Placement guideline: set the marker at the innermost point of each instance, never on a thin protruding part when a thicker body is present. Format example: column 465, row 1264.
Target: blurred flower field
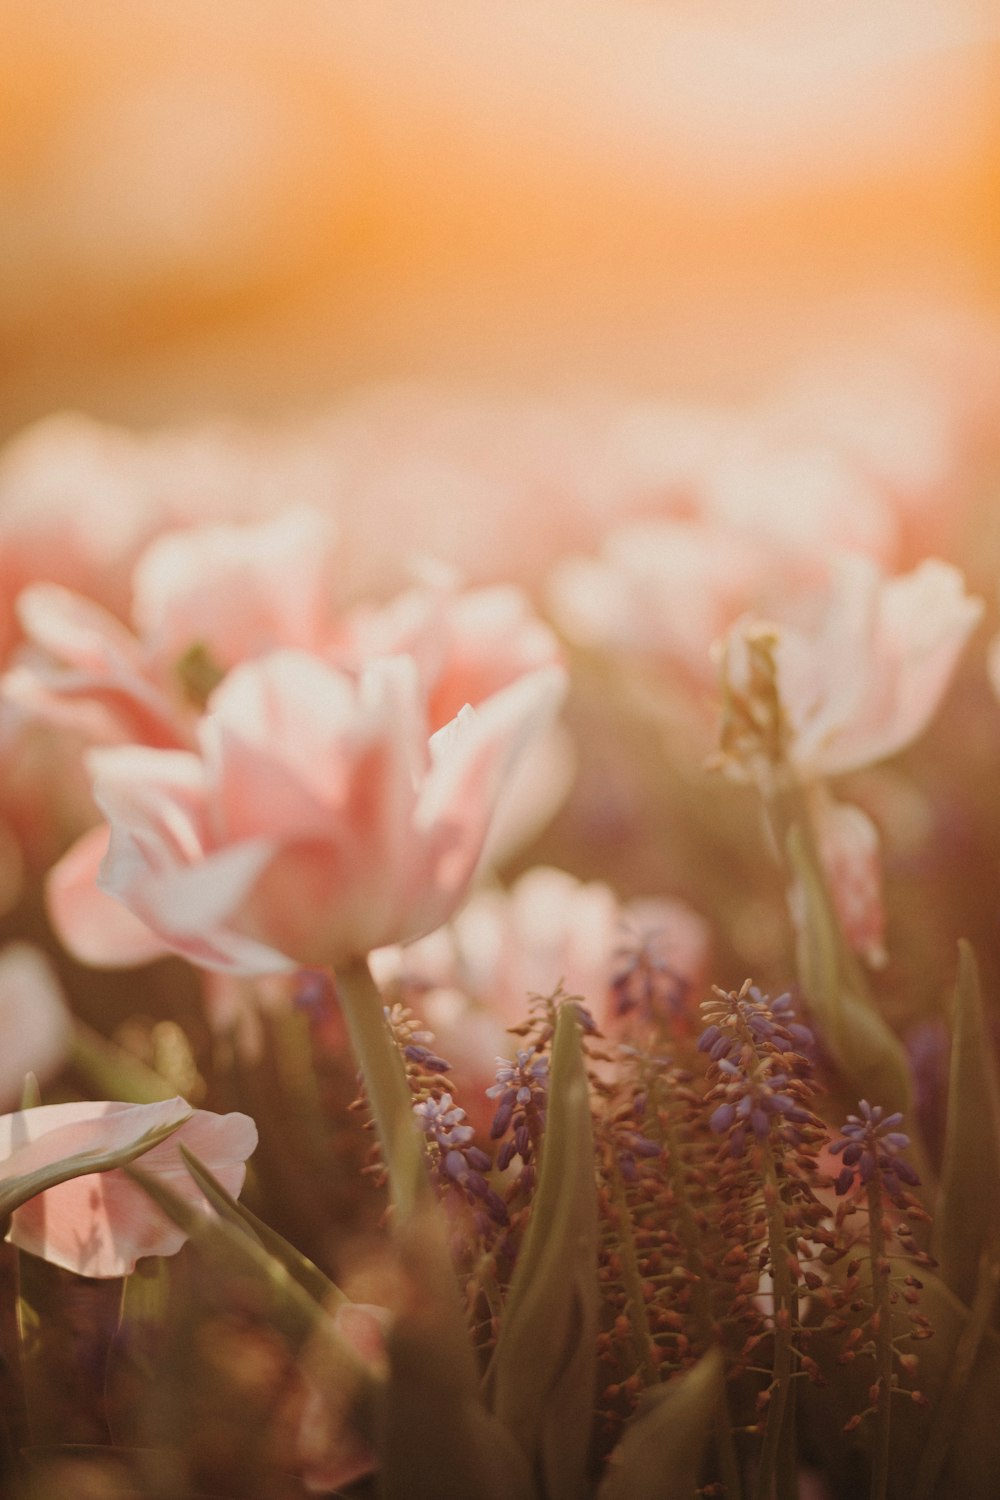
column 499, row 707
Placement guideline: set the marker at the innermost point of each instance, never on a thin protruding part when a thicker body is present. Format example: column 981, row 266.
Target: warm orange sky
column 228, row 208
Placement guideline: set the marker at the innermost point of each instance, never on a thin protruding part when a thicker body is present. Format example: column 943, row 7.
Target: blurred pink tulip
column 204, row 599
column 34, row 1021
column 99, row 1224
column 92, row 925
column 472, row 980
column 331, row 1455
column 319, row 820
column 869, row 678
column 850, row 854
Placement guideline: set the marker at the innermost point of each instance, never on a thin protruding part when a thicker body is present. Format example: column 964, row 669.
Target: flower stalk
column 882, row 1305
column 770, row 1472
column 386, row 1086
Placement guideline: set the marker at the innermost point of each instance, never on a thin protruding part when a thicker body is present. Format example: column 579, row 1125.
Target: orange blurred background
column 255, row 209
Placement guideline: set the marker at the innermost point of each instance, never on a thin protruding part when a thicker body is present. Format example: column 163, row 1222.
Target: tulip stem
column 778, row 1431
column 882, row 1303
column 386, row 1087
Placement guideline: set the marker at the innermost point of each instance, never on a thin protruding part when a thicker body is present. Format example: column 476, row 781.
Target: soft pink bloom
column 472, row 980
column 204, row 599
column 86, row 671
column 34, row 1021
column 92, row 925
column 753, row 530
column 869, row 678
column 466, row 646
column 666, row 589
column 799, row 494
column 79, row 499
column 101, row 1223
column 850, row 854
column 319, row 819
column 208, row 597
column 330, row 1452
column 236, row 591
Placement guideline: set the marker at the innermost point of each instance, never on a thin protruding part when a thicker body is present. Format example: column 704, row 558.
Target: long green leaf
column 865, row 1049
column 298, row 1266
column 661, row 1455
column 968, row 1213
column 435, row 1439
column 542, row 1378
column 230, row 1253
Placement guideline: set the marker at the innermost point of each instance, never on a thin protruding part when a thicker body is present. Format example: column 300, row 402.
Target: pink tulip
column 99, row 1224
column 319, row 819
column 331, row 1454
column 204, row 599
column 236, row 591
column 34, row 1021
column 867, row 681
column 471, row 981
column 92, row 925
column 850, row 854
column 466, row 645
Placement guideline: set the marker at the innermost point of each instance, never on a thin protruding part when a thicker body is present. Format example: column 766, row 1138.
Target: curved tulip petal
column 100, row 1223
column 319, row 822
column 93, row 926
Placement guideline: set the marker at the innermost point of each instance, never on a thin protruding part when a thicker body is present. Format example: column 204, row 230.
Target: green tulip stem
column 386, row 1086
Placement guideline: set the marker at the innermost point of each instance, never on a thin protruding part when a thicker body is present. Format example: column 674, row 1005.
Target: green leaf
column 386, row 1088
column 866, row 1051
column 434, row 1437
column 661, row 1454
column 232, row 1255
column 968, row 1212
column 298, row 1266
column 958, row 1372
column 949, row 1408
column 541, row 1381
column 17, row 1190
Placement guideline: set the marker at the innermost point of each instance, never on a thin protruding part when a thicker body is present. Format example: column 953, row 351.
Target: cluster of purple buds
column 412, row 1041
column 870, row 1144
column 521, row 1090
column 752, row 1103
column 459, row 1162
column 418, row 1052
column 644, row 982
column 752, row 1020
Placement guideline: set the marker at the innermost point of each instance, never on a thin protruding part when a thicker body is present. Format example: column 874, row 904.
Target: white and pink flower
column 100, row 1223
column 319, row 817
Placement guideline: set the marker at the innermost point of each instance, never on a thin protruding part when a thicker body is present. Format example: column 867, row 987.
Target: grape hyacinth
column 643, row 981
column 870, row 1143
column 753, row 1102
column 522, row 1091
column 457, row 1160
column 751, row 1019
